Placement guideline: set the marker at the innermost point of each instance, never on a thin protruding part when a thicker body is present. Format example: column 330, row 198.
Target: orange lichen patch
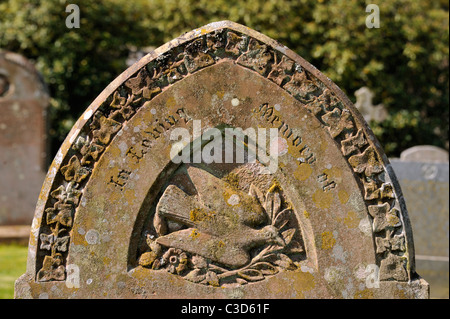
column 130, row 195
column 343, row 196
column 147, row 259
column 147, row 117
column 364, row 294
column 323, row 146
column 199, row 214
column 351, row 220
column 303, row 172
column 400, row 294
column 304, row 281
column 322, row 199
column 328, row 240
column 233, row 180
column 333, row 172
column 306, row 214
column 220, row 94
column 78, row 239
column 106, row 260
column 171, row 102
column 194, row 234
column 227, row 196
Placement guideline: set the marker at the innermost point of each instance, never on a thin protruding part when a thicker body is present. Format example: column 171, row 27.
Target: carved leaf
column 282, row 218
column 196, row 276
column 273, row 202
column 265, row 268
column 103, row 129
column 338, row 121
column 353, row 143
column 46, row 241
column 256, row 193
column 367, row 162
column 52, row 269
column 288, row 235
column 251, row 274
column 212, row 279
column 285, row 262
column 62, row 243
column 384, row 217
column 294, row 247
column 73, row 171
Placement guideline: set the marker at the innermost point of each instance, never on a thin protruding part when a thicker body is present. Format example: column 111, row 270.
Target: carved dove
column 218, row 228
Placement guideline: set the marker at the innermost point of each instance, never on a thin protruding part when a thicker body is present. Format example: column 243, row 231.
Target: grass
column 13, row 260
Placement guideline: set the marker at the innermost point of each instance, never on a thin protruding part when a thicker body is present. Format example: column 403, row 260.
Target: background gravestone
column 118, row 217
column 423, row 174
column 23, row 102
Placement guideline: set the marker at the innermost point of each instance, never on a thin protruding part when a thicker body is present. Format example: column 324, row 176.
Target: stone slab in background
column 118, row 217
column 424, row 153
column 15, row 234
column 424, row 179
column 23, row 103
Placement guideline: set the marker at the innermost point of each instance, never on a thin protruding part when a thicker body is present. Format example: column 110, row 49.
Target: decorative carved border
column 184, row 56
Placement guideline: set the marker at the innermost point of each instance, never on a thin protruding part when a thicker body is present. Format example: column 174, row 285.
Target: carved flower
column 150, row 258
column 52, row 269
column 61, row 213
column 68, row 194
column 199, row 262
column 122, row 107
column 175, row 260
column 73, row 171
column 104, row 128
column 202, row 273
column 47, row 241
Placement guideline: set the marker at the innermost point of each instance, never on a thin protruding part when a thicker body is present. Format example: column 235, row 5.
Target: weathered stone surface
column 23, row 103
column 424, row 153
column 425, row 186
column 119, row 216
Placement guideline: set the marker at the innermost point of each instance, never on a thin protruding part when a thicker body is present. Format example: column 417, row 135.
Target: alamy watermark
column 227, row 145
column 73, row 19
column 373, row 19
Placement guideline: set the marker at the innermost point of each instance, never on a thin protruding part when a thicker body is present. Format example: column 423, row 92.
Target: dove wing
column 210, row 189
column 176, row 205
column 197, row 242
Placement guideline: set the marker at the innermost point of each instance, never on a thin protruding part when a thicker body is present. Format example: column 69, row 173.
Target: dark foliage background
column 404, row 62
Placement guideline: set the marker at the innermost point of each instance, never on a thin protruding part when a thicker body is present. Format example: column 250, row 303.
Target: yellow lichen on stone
column 328, row 240
column 322, row 199
column 364, row 294
column 351, row 220
column 303, row 172
column 194, row 234
column 333, row 172
column 306, row 214
column 171, row 102
column 220, row 94
column 199, row 214
column 106, row 260
column 343, row 196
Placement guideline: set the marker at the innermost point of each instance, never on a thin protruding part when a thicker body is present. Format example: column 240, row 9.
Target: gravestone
column 424, row 153
column 23, row 102
column 221, row 165
column 423, row 173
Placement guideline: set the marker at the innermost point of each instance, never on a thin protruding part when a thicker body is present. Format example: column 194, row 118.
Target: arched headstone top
column 20, row 80
column 424, row 153
column 125, row 200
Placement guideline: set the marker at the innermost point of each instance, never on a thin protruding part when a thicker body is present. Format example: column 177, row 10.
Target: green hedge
column 405, row 61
